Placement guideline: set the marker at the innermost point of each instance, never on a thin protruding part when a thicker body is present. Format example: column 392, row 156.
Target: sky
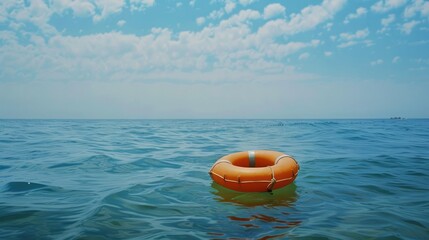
column 138, row 59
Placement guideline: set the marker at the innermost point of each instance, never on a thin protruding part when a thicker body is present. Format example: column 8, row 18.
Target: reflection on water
column 281, row 197
column 264, row 210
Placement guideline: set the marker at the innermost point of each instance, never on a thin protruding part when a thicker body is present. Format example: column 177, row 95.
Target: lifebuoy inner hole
column 260, row 161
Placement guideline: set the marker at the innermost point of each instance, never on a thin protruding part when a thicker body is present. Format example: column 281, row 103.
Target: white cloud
column 121, row 23
column 232, row 46
column 229, row 6
column 396, row 59
column 246, row 2
column 387, row 5
column 304, row 56
column 279, row 51
column 368, row 43
column 7, row 6
column 312, row 16
column 79, row 8
column 139, row 5
column 417, row 6
column 243, row 16
column 385, row 22
column 328, row 54
column 348, row 44
column 350, row 39
column 308, row 18
column 242, row 47
column 359, row 12
column 8, row 37
column 376, row 62
column 328, row 26
column 200, row 20
column 359, row 34
column 108, row 7
column 388, row 20
column 192, row 3
column 216, row 14
column 116, row 56
column 274, row 10
column 229, row 47
column 37, row 13
column 407, row 27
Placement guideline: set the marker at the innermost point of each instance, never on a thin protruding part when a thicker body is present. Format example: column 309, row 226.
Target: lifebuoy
column 255, row 171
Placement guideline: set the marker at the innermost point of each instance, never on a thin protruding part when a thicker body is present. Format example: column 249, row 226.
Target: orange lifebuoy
column 255, row 171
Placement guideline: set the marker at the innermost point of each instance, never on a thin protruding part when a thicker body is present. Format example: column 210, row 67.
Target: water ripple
column 147, row 179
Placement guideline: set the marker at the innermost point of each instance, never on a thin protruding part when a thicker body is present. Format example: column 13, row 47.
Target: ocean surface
column 148, row 179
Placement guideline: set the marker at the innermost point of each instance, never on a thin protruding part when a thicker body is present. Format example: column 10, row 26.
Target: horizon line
column 322, row 118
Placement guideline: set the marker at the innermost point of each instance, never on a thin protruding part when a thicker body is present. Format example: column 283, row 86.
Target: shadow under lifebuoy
column 285, row 196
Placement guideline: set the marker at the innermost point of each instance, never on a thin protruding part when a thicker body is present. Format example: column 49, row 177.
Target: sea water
column 148, row 179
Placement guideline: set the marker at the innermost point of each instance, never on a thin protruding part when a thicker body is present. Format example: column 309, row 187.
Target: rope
column 250, row 181
column 219, row 161
column 280, row 157
column 284, row 156
column 273, row 180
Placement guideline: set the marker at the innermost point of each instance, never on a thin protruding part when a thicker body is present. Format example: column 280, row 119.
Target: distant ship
column 397, row 118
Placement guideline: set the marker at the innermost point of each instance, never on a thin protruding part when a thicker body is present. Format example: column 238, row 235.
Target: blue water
column 147, row 179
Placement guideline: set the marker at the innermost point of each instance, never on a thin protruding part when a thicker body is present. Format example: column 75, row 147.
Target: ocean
column 148, row 179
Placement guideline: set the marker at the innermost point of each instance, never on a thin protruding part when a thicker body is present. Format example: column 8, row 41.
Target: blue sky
column 214, row 59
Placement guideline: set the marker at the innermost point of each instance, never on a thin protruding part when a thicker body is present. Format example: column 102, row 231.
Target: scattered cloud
column 350, row 39
column 234, row 43
column 139, row 5
column 36, row 13
column 200, row 20
column 347, row 44
column 417, row 6
column 359, row 13
column 387, row 5
column 388, row 20
column 304, row 56
column 376, row 62
column 216, row 14
column 79, row 8
column 407, row 27
column 108, row 7
column 328, row 26
column 274, row 10
column 385, row 22
column 307, row 19
column 396, row 59
column 246, row 2
column 39, row 12
column 243, row 42
column 121, row 23
column 229, row 6
column 357, row 35
column 231, row 46
column 8, row 37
